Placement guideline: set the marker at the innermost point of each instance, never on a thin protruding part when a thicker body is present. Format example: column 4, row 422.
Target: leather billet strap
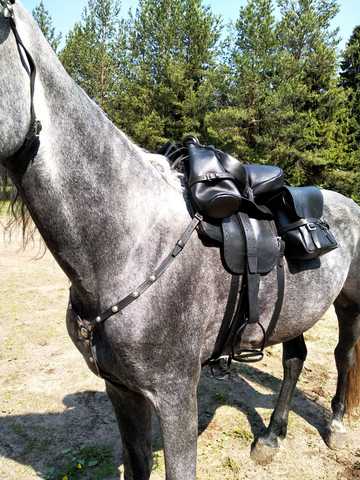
column 158, row 272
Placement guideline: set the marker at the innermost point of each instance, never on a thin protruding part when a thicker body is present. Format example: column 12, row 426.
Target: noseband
column 32, row 136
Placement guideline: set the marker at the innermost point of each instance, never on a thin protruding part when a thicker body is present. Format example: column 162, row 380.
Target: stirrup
column 248, row 356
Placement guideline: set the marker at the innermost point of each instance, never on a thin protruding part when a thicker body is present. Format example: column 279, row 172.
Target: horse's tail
column 352, row 396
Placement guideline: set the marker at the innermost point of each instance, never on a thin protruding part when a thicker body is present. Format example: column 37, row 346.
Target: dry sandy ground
column 56, row 421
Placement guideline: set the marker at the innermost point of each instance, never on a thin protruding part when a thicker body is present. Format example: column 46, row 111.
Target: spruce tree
column 316, row 137
column 45, row 22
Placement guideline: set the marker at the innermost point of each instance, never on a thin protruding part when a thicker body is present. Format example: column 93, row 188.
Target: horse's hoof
column 262, row 452
column 336, row 436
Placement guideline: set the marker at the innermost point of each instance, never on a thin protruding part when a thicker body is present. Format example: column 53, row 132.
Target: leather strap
column 223, row 334
column 303, row 222
column 35, row 125
column 211, row 177
column 280, row 272
column 252, row 276
column 158, row 272
column 29, row 148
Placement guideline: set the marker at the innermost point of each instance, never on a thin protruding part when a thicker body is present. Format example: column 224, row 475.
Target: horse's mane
column 17, row 214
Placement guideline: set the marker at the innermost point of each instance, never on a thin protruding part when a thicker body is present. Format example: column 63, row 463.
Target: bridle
column 32, row 136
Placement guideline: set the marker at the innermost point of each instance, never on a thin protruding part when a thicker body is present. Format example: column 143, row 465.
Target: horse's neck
column 93, row 194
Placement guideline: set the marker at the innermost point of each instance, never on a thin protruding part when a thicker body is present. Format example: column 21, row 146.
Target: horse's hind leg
column 347, row 356
column 266, row 446
column 133, row 412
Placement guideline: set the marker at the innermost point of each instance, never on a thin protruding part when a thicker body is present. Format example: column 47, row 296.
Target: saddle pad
column 234, row 252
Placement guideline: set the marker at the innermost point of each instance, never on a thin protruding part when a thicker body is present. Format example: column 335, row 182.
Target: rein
column 32, row 136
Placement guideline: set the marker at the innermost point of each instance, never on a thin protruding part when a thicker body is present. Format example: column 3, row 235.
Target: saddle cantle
column 254, row 220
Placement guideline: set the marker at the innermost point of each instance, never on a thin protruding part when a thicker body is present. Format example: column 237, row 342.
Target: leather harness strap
column 31, row 141
column 158, row 272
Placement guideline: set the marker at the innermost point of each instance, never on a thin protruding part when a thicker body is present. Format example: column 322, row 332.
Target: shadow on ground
column 86, row 433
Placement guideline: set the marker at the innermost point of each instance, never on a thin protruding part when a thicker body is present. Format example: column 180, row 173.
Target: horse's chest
column 81, row 337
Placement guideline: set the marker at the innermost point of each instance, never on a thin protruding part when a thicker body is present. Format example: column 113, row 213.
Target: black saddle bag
column 299, row 217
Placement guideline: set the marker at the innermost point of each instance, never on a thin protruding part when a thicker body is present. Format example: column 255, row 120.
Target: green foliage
column 89, row 51
column 350, row 80
column 96, row 463
column 171, row 52
column 285, row 105
column 268, row 93
column 45, row 22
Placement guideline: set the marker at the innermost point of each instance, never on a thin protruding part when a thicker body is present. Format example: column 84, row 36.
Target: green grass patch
column 96, row 463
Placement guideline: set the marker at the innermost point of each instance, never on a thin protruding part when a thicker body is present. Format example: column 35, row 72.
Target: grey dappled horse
column 109, row 212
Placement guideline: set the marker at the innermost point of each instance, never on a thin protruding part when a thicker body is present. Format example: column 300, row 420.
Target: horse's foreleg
column 178, row 415
column 133, row 413
column 265, row 447
column 348, row 313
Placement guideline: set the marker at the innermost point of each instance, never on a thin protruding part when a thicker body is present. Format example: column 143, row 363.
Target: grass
column 95, row 463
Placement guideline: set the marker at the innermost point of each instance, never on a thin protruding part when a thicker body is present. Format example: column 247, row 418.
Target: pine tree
column 88, row 54
column 243, row 123
column 285, row 106
column 45, row 22
column 172, row 49
column 315, row 141
column 350, row 79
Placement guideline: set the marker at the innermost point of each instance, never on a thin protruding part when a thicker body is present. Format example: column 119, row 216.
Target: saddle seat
column 254, row 180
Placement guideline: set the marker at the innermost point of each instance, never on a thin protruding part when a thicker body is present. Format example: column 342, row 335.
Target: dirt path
column 56, row 421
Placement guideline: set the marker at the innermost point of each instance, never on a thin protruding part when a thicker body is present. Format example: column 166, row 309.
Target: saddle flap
column 303, row 202
column 234, row 250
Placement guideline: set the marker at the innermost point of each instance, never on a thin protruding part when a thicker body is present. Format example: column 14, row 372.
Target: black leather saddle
column 253, row 218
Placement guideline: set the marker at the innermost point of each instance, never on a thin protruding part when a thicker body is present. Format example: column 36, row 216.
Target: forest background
column 271, row 87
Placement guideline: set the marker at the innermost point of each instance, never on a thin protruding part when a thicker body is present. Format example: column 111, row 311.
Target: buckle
column 211, row 176
column 311, row 226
